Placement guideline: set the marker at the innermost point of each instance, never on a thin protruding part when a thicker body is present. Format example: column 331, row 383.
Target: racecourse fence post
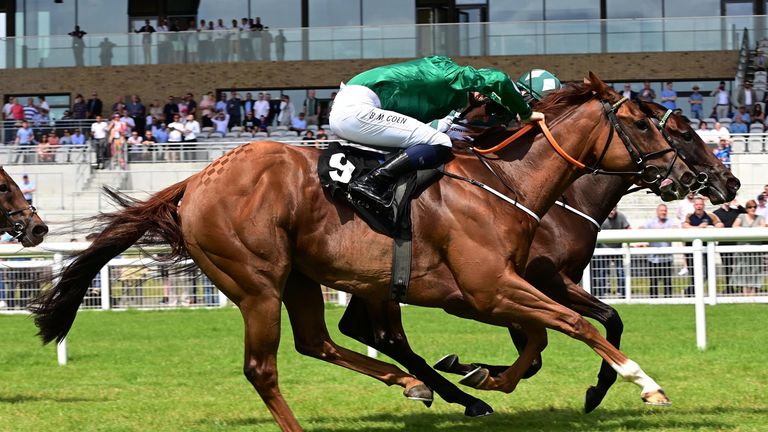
column 222, row 298
column 61, row 352
column 586, row 279
column 627, row 261
column 711, row 274
column 341, row 298
column 698, row 287
column 106, row 304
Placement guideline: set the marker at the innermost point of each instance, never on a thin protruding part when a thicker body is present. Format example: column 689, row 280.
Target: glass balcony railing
column 396, row 41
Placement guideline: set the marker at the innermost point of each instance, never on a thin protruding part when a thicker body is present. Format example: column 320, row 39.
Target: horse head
column 20, row 219
column 644, row 149
column 714, row 180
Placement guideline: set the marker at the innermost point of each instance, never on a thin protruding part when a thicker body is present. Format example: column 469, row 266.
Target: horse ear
column 598, row 86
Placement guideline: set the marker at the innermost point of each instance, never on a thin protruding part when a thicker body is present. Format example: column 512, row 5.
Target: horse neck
column 596, row 195
column 543, row 174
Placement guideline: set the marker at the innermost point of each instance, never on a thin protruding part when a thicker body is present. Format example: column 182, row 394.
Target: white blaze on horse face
column 632, row 372
column 344, row 168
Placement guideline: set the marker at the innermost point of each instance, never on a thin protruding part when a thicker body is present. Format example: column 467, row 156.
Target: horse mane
column 569, row 95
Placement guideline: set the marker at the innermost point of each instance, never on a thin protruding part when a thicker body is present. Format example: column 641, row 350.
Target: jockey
column 389, row 105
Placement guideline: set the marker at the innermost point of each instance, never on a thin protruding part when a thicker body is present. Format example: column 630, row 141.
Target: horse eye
column 687, row 136
column 642, row 125
column 3, row 187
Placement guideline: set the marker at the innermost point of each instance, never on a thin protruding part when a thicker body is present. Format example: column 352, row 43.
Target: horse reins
column 16, row 229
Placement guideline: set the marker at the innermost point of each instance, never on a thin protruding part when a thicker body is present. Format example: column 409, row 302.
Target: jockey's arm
column 494, row 84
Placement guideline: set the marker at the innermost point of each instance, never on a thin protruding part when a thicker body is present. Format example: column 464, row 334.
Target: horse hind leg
column 304, row 302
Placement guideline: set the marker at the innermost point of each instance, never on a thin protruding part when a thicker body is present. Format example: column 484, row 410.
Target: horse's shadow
column 24, row 398
column 556, row 419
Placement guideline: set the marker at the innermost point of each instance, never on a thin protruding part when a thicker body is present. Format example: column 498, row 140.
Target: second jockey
column 389, row 106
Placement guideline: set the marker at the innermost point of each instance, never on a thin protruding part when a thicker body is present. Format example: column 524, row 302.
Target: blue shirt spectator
column 696, row 101
column 738, row 126
column 160, row 133
column 25, row 135
column 78, row 138
column 669, row 96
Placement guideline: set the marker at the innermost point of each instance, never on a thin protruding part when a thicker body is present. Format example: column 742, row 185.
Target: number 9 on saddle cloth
column 339, row 165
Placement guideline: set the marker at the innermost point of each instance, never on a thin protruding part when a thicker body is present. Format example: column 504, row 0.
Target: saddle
column 338, row 165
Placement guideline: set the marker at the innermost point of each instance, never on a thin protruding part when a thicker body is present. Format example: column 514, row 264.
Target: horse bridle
column 649, row 174
column 702, row 178
column 16, row 229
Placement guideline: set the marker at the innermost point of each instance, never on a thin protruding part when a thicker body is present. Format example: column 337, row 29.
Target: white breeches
column 357, row 116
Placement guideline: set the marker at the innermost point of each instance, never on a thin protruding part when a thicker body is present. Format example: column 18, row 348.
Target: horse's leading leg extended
column 379, row 325
column 304, row 301
column 520, row 302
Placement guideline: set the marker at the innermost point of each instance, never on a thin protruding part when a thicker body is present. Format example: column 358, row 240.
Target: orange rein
column 522, row 131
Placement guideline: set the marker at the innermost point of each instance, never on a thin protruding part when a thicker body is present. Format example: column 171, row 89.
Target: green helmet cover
column 538, row 82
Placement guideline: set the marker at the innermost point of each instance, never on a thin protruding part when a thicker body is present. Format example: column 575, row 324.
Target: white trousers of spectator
column 357, row 116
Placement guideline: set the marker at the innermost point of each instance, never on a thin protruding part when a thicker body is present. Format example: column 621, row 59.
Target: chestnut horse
column 20, row 219
column 562, row 248
column 259, row 225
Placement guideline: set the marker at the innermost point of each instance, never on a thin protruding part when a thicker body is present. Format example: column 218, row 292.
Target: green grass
column 182, row 371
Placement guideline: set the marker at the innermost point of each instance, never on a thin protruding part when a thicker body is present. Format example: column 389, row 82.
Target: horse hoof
column 475, row 378
column 478, row 408
column 420, row 392
column 593, row 399
column 656, row 398
column 447, row 363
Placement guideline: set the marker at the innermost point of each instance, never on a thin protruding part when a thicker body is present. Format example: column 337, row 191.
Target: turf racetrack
column 182, row 371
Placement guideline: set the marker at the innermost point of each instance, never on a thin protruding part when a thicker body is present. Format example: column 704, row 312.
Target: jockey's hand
column 535, row 116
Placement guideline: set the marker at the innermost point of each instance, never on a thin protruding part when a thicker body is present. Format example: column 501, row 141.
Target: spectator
column 135, row 146
column 760, row 60
column 746, row 97
column 117, row 130
column 205, row 46
column 79, row 108
column 308, row 136
column 248, row 103
column 78, row 138
column 129, row 123
column 191, row 104
column 44, row 151
column 78, row 45
column 28, row 188
column 764, row 193
column 723, row 152
column 321, row 135
column 206, row 109
column 234, row 41
column 738, row 126
column 94, row 106
column 647, row 94
column 149, row 142
column 66, row 138
column 722, row 101
column 175, row 137
column 119, row 105
column 669, row 96
column 749, row 266
column 757, row 114
column 698, row 219
column 99, row 130
column 721, row 132
column 660, row 265
column 220, row 41
column 298, row 124
column 25, row 139
column 170, row 109
column 251, row 123
column 261, row 107
column 160, row 133
column 287, row 111
column 696, row 102
column 235, row 109
column 221, row 105
column 629, row 93
column 280, row 41
column 745, row 116
column 221, row 122
column 728, row 214
column 274, row 109
column 191, row 132
column 31, row 112
column 43, row 107
column 762, row 209
column 138, row 113
column 311, row 108
column 246, row 46
column 155, row 111
column 193, row 42
column 8, row 120
column 707, row 135
column 146, row 40
column 602, row 263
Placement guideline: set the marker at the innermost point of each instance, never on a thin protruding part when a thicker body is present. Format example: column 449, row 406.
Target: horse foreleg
column 480, row 378
column 304, row 302
column 590, row 306
column 379, row 325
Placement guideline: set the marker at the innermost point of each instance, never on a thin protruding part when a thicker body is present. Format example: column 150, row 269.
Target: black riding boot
column 375, row 186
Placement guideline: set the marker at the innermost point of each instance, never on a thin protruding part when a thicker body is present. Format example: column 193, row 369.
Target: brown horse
column 562, row 247
column 20, row 219
column 260, row 226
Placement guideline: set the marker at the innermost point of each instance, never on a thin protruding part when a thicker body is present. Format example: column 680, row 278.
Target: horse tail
column 151, row 222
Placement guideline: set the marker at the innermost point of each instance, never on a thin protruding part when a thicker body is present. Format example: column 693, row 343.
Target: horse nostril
column 40, row 230
column 687, row 179
column 733, row 184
